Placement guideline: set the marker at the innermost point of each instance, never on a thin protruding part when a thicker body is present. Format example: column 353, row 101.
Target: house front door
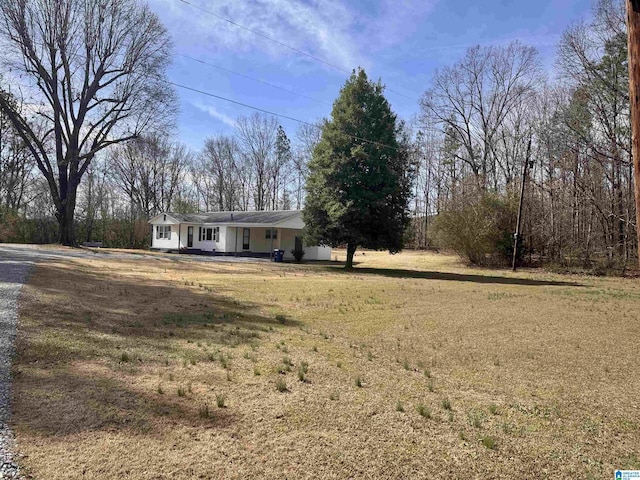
column 245, row 238
column 190, row 237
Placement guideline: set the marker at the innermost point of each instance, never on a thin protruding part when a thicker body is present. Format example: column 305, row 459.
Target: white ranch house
column 234, row 233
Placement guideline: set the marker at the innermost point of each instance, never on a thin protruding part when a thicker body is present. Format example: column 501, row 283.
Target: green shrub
column 297, row 254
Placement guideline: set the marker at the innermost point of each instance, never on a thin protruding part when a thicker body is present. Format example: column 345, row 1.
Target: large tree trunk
column 633, row 28
column 65, row 216
column 351, row 250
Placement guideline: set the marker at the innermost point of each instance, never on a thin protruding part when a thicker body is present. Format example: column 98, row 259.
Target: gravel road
column 14, row 269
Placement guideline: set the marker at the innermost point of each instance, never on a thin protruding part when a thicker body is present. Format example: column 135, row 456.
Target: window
column 271, row 233
column 210, row 234
column 163, row 231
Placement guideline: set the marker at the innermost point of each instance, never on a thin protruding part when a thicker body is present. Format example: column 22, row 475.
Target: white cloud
column 333, row 30
column 215, row 113
column 320, row 27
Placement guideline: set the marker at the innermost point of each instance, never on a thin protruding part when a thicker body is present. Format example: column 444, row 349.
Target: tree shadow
column 95, row 352
column 456, row 277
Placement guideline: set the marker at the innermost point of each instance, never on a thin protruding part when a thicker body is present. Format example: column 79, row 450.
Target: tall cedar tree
column 360, row 175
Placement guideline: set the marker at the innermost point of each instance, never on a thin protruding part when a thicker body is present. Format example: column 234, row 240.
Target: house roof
column 262, row 217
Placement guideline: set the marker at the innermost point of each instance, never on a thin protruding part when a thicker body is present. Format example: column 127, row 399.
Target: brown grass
column 540, row 371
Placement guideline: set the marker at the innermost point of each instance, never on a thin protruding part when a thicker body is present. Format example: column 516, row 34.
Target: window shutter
column 169, row 232
column 157, row 231
column 199, row 234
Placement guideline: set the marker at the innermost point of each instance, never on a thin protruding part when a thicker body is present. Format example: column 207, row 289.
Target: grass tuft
column 124, row 357
column 281, row 385
column 358, row 382
column 203, row 412
column 489, row 442
column 423, row 410
column 399, row 407
column 220, row 400
column 446, row 404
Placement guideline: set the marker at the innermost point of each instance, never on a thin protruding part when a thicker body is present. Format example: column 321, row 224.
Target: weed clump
column 423, row 410
column 281, row 385
column 489, row 442
column 203, row 412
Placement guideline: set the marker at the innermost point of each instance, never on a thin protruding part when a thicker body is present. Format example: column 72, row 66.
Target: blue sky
column 400, row 41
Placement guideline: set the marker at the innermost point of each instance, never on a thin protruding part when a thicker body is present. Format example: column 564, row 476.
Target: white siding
column 210, row 245
column 230, row 234
column 164, row 243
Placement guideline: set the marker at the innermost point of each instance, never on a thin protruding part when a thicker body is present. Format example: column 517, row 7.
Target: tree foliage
column 359, row 183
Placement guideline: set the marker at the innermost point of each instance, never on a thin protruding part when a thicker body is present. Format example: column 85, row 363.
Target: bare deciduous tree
column 96, row 72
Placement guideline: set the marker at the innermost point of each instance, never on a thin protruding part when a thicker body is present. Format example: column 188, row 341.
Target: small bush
column 493, row 409
column 446, row 404
column 479, row 227
column 220, row 399
column 358, row 382
column 181, row 392
column 399, row 407
column 160, row 390
column 297, row 254
column 124, row 357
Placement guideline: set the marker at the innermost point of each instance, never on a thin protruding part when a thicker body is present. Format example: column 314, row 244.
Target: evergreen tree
column 360, row 175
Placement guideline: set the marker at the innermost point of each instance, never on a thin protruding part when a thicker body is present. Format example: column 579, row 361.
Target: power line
column 269, row 112
column 264, row 82
column 246, row 105
column 282, row 44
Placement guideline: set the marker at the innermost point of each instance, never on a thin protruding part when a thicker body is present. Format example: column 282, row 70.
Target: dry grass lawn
column 412, row 366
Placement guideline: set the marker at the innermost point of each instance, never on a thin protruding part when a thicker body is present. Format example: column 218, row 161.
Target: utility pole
column 633, row 42
column 516, row 236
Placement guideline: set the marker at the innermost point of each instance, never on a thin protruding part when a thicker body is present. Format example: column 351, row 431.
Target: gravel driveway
column 14, row 269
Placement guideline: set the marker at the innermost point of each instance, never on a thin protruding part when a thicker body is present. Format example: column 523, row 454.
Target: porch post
column 179, row 238
column 271, row 249
column 235, row 244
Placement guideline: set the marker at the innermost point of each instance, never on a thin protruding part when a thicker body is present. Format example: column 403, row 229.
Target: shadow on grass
column 455, row 277
column 99, row 352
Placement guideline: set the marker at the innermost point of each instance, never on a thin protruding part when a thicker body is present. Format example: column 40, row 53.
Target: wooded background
column 469, row 146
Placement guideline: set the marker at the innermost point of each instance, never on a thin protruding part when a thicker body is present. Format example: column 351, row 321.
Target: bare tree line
column 480, row 113
column 95, row 130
